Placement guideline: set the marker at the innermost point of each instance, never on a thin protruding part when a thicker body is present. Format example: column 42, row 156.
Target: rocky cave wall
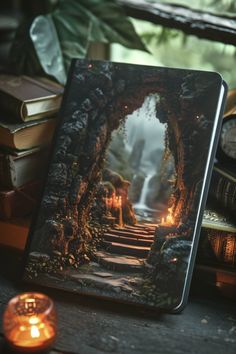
column 99, row 96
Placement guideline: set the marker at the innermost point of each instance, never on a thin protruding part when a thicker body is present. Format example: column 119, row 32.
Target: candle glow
column 115, row 202
column 169, row 219
column 29, row 322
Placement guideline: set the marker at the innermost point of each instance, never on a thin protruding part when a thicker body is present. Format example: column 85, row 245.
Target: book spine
column 223, row 190
column 13, row 234
column 217, row 248
column 7, row 172
column 12, row 106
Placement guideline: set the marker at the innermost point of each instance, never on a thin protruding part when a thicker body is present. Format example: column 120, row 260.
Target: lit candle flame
column 169, row 219
column 34, row 332
column 33, row 320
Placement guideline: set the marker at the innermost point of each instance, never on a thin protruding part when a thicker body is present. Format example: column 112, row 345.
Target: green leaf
column 73, row 32
column 47, row 47
column 110, row 24
column 66, row 32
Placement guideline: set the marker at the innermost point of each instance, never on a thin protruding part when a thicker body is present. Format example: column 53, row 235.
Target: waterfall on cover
column 144, row 125
column 142, row 200
column 139, row 147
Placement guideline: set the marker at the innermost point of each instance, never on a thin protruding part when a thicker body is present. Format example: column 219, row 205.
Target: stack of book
column 28, row 111
column 216, row 260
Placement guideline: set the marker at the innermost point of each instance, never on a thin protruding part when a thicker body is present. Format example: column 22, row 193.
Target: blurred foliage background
column 169, row 47
column 75, row 24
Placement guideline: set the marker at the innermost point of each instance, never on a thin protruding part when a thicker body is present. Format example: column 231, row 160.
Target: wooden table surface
column 92, row 326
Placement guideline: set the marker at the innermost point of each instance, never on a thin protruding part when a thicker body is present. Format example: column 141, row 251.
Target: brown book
column 14, row 233
column 28, row 134
column 223, row 187
column 20, row 167
column 216, row 220
column 25, row 98
column 20, row 202
column 223, row 279
column 217, row 245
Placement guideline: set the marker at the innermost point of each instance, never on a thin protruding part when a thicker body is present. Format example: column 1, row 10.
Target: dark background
column 12, row 12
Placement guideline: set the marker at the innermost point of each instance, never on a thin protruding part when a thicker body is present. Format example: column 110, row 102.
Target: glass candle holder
column 29, row 322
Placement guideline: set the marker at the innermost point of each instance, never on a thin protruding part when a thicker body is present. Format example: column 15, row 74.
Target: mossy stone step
column 143, row 228
column 127, row 233
column 121, row 248
column 134, row 230
column 119, row 263
column 128, row 240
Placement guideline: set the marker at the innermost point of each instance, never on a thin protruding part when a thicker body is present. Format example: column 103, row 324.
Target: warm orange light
column 169, row 219
column 29, row 322
column 119, row 200
column 114, row 201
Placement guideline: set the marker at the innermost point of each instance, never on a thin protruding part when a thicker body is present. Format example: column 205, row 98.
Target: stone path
column 118, row 267
column 126, row 248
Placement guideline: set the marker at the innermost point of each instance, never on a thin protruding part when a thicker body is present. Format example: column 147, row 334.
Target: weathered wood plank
column 191, row 21
column 90, row 326
column 94, row 326
column 4, row 349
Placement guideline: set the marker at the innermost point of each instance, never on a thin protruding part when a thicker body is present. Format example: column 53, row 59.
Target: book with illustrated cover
column 122, row 206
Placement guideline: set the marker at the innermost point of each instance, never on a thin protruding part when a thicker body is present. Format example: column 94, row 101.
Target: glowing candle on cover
column 120, row 211
column 107, row 202
column 169, row 219
column 29, row 322
column 113, row 198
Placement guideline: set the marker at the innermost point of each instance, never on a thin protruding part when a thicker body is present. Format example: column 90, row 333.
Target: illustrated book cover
column 122, row 206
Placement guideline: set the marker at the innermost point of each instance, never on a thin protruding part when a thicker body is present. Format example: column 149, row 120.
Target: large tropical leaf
column 66, row 32
column 109, row 22
column 47, row 47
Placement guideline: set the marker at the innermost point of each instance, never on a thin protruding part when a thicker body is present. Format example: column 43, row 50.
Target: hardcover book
column 25, row 98
column 217, row 245
column 224, row 279
column 223, row 187
column 20, row 202
column 14, row 233
column 20, row 167
column 22, row 136
column 122, row 206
